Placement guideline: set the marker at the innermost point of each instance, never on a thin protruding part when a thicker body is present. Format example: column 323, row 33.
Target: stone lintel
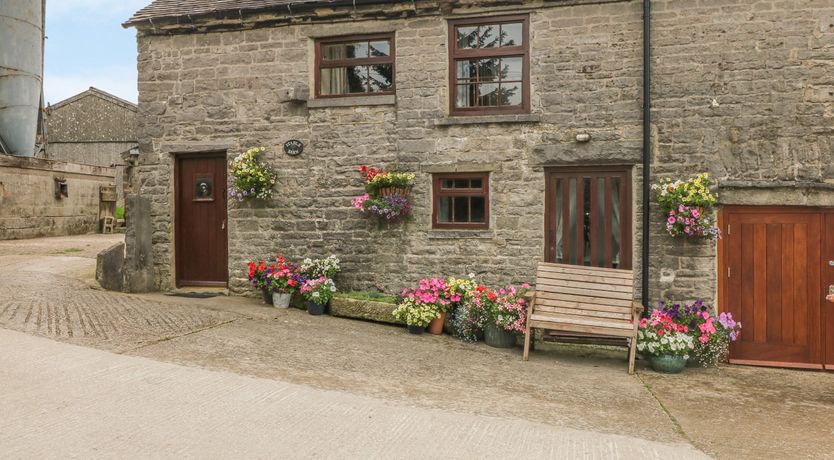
column 488, row 119
column 197, row 147
column 352, row 101
column 460, row 167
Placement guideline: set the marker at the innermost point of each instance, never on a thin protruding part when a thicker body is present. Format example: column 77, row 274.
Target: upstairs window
column 461, row 201
column 355, row 66
column 489, row 65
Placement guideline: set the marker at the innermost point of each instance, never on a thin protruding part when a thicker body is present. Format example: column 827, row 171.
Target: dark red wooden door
column 828, row 288
column 201, row 236
column 771, row 282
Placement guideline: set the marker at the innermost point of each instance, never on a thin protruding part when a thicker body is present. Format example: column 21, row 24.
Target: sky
column 87, row 46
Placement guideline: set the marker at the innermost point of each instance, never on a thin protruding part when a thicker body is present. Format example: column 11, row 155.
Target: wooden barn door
column 201, row 234
column 828, row 288
column 771, row 281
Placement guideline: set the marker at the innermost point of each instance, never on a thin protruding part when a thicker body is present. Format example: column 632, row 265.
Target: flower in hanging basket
column 250, row 178
column 686, row 205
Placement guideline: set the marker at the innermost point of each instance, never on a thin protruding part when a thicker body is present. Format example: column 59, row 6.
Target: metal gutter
column 647, row 145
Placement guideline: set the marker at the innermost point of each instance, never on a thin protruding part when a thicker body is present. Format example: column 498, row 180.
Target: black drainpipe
column 647, row 139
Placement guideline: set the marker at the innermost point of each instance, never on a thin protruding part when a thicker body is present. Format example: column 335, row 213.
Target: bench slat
column 567, row 327
column 584, row 312
column 557, row 303
column 586, row 278
column 583, row 299
column 586, row 292
column 582, row 320
column 582, row 270
column 548, row 283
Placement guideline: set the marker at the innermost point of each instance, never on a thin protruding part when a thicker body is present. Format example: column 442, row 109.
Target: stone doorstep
column 368, row 310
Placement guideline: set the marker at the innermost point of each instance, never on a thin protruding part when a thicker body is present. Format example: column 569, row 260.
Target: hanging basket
column 386, row 191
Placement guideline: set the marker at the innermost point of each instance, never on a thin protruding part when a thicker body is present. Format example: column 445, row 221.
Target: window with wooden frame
column 359, row 65
column 489, row 68
column 461, row 201
column 588, row 216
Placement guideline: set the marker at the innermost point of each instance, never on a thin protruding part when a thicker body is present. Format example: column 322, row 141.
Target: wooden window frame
column 438, row 192
column 320, row 63
column 626, row 218
column 514, row 51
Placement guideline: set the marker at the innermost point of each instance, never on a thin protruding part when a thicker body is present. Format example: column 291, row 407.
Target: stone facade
column 740, row 90
column 91, row 128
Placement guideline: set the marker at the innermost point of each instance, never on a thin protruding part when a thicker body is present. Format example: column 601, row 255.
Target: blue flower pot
column 668, row 364
column 417, row 330
column 315, row 309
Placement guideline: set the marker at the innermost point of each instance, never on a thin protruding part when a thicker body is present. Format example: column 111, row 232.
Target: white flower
column 316, row 294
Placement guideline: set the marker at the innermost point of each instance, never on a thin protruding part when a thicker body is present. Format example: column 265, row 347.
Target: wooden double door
column 201, row 245
column 776, row 268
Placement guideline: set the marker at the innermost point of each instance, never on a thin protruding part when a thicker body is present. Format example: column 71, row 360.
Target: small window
column 355, row 66
column 489, row 65
column 461, row 201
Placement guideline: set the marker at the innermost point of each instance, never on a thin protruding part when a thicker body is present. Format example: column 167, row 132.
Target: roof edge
column 290, row 8
column 93, row 91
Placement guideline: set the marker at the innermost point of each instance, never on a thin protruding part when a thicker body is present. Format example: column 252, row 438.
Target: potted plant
column 460, row 315
column 385, row 183
column 415, row 314
column 284, row 281
column 259, row 278
column 250, row 178
column 686, row 207
column 711, row 334
column 387, row 195
column 506, row 313
column 318, row 292
column 666, row 342
column 316, row 268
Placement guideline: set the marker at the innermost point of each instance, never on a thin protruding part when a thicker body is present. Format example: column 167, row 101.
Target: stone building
column 532, row 105
column 92, row 128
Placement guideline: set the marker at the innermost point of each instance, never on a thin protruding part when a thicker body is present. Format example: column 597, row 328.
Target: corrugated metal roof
column 173, row 9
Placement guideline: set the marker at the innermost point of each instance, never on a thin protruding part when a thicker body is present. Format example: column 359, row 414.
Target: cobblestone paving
column 54, row 296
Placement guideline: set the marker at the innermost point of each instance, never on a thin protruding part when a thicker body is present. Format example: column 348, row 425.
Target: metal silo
column 21, row 72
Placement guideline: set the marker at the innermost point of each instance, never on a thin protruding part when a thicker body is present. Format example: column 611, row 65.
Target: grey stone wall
column 28, row 207
column 743, row 90
column 222, row 89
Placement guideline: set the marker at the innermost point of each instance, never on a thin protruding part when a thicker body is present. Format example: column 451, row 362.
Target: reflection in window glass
column 512, row 34
column 356, row 67
column 444, row 213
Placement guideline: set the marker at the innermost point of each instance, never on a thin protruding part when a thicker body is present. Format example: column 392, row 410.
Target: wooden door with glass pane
column 771, row 281
column 588, row 216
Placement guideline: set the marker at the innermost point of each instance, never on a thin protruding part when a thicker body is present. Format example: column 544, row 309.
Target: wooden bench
column 585, row 302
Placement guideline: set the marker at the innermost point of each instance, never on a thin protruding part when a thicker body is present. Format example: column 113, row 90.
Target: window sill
column 486, row 119
column 351, row 101
column 455, row 234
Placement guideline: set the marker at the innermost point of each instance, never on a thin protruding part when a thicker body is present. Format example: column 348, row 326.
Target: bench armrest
column 637, row 307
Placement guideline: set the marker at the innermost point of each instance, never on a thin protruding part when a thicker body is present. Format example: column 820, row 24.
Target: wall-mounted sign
column 293, row 147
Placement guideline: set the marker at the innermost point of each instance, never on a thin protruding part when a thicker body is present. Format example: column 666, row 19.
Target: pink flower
column 671, row 220
column 525, row 286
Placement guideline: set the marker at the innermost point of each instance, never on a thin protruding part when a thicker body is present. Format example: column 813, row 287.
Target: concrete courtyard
column 91, row 373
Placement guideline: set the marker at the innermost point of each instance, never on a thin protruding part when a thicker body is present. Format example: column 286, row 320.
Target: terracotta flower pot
column 436, row 326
